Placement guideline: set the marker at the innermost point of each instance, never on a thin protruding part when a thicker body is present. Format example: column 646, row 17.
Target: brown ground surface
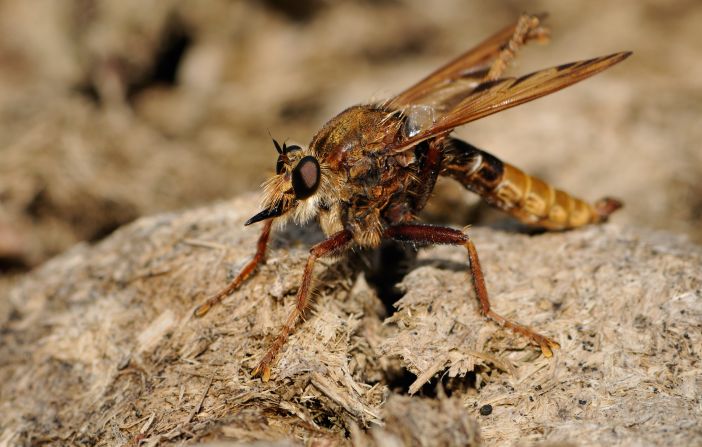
column 114, row 110
column 101, row 347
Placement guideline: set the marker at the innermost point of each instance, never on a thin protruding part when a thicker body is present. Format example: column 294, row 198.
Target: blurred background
column 111, row 110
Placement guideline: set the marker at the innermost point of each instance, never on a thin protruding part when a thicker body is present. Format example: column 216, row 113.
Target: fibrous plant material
column 99, row 347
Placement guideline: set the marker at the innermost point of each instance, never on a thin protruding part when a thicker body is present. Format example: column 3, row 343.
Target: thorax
column 374, row 185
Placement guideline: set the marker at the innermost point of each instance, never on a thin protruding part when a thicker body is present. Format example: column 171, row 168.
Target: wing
column 470, row 66
column 493, row 96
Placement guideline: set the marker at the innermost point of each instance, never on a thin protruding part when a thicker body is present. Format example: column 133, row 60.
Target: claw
column 547, row 345
column 262, row 370
column 201, row 310
column 546, row 351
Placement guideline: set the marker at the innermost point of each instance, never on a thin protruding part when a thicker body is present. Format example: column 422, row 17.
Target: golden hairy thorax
column 377, row 185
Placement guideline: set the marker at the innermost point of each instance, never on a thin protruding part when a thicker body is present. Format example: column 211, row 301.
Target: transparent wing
column 493, row 96
column 470, row 67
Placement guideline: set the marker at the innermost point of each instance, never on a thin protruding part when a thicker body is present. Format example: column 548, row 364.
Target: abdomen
column 527, row 198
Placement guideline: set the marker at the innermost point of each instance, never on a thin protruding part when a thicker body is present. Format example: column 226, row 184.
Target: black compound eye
column 305, row 177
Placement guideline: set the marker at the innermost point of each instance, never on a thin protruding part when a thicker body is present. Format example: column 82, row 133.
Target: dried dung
column 99, row 346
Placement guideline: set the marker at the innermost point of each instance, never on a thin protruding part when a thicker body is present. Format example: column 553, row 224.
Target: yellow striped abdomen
column 527, row 198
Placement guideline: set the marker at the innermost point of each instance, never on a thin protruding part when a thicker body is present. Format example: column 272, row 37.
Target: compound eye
column 305, row 177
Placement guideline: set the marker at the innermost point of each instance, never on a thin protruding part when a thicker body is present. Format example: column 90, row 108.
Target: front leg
column 248, row 269
column 449, row 236
column 330, row 246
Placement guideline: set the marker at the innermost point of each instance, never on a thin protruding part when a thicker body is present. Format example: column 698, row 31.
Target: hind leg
column 449, row 236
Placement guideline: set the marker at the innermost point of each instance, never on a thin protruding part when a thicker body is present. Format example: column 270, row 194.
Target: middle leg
column 334, row 244
column 449, row 236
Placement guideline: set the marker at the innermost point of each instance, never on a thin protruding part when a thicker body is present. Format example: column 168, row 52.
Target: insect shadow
column 386, row 266
column 383, row 267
